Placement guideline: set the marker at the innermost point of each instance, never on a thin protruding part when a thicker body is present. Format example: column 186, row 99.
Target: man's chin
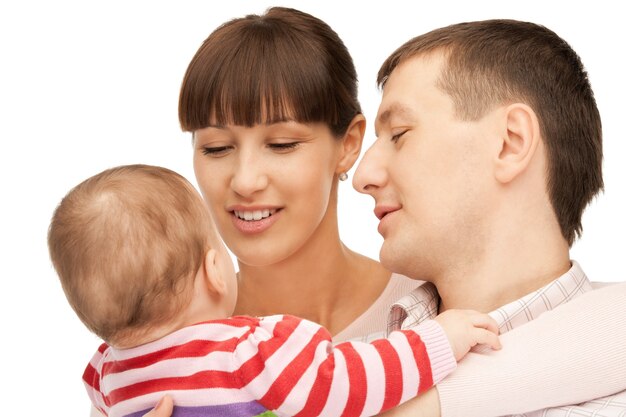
column 390, row 258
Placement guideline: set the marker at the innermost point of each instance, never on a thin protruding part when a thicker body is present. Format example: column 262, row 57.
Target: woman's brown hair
column 282, row 65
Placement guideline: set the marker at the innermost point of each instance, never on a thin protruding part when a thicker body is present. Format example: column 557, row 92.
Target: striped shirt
column 423, row 304
column 277, row 365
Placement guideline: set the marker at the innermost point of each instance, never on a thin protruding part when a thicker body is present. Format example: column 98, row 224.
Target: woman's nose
column 250, row 176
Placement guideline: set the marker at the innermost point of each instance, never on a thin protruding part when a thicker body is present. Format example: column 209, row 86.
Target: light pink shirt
column 423, row 303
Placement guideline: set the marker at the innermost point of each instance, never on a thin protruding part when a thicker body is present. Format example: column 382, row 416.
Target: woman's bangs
column 256, row 83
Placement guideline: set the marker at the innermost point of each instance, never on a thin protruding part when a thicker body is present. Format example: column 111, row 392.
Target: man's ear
column 520, row 138
column 214, row 279
column 351, row 144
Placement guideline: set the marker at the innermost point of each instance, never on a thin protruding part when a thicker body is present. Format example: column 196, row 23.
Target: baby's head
column 128, row 245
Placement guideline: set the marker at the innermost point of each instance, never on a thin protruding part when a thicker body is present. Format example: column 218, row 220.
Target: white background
column 88, row 85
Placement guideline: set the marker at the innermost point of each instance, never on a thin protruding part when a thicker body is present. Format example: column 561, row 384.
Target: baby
column 142, row 265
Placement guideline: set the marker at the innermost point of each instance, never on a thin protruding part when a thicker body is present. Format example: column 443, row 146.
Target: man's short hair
column 495, row 62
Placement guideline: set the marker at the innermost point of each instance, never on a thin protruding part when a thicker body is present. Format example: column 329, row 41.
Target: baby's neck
column 187, row 317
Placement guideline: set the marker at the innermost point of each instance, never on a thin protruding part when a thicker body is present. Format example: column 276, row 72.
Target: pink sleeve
column 303, row 374
column 569, row 355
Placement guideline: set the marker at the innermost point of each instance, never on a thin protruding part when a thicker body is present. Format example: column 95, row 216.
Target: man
column 488, row 150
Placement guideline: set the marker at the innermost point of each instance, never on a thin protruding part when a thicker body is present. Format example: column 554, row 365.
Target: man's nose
column 371, row 173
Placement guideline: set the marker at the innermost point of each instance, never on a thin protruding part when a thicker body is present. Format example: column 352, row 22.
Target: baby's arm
column 293, row 368
column 310, row 377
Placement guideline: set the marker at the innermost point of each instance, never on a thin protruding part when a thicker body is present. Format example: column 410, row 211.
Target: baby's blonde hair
column 127, row 244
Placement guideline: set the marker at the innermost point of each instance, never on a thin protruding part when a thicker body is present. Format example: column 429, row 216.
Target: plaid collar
column 423, row 302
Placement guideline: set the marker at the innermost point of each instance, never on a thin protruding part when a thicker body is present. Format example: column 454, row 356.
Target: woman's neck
column 324, row 282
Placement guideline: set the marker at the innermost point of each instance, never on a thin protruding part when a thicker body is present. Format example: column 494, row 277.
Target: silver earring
column 343, row 176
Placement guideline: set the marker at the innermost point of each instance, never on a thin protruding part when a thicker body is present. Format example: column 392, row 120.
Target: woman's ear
column 519, row 140
column 351, row 144
column 214, row 279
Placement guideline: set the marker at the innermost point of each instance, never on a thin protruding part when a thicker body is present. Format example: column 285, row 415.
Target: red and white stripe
column 285, row 363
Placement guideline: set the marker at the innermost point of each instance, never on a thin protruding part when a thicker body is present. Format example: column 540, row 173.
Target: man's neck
column 510, row 267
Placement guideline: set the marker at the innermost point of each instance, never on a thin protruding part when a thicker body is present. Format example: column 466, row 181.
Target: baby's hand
column 164, row 408
column 468, row 328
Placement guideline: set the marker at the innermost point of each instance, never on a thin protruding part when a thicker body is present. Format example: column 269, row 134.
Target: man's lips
column 382, row 211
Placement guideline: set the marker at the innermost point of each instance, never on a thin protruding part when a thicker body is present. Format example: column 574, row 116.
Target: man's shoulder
column 598, row 285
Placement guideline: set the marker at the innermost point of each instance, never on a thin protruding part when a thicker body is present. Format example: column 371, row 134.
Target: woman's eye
column 397, row 136
column 283, row 146
column 216, row 150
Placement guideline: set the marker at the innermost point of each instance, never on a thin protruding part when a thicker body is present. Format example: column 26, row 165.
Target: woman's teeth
column 254, row 215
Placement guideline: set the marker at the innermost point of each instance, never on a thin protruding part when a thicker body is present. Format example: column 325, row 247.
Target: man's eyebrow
column 394, row 109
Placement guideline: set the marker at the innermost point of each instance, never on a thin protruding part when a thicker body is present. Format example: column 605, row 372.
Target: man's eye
column 283, row 146
column 216, row 150
column 397, row 137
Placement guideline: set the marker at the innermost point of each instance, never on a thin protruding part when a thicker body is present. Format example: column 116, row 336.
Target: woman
column 258, row 150
column 271, row 102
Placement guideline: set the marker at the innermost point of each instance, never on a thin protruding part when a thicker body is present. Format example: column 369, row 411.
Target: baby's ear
column 215, row 280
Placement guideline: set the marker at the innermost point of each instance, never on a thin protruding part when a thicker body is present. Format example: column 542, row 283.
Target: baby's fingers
column 486, row 322
column 164, row 408
column 487, row 337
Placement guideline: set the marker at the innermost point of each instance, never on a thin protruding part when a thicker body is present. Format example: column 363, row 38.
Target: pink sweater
column 245, row 366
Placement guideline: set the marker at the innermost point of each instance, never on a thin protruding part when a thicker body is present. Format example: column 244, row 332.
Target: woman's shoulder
column 372, row 324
